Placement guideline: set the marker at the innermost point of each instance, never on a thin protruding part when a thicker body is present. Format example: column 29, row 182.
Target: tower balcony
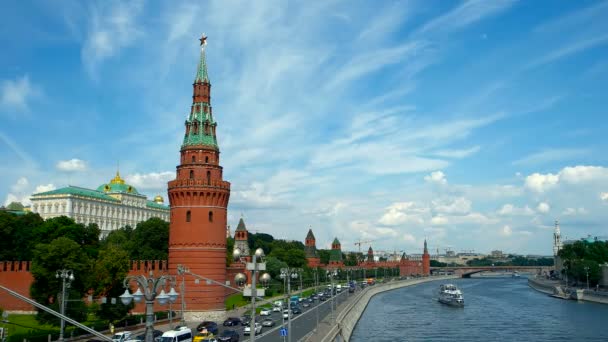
column 186, row 183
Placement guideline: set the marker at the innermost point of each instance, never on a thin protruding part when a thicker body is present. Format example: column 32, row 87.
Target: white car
column 286, row 314
column 265, row 312
column 258, row 329
column 277, row 309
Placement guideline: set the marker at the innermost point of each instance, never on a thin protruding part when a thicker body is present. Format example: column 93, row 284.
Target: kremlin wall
column 198, row 198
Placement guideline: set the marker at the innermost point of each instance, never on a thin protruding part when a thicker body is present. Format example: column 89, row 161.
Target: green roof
column 201, row 71
column 335, row 255
column 77, row 191
column 154, row 205
column 241, row 225
column 117, row 188
column 200, row 116
column 336, row 242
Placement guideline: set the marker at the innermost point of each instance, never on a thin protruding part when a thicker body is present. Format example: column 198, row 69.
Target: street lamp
column 288, row 274
column 151, row 286
column 331, row 273
column 256, row 265
column 587, row 271
column 182, row 270
column 69, row 276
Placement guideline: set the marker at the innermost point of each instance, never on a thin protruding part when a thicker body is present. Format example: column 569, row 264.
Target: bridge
column 467, row 271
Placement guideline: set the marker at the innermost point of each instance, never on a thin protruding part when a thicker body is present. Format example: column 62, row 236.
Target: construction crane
column 360, row 242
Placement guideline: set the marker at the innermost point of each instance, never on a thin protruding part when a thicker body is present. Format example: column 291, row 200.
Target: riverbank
column 556, row 289
column 349, row 313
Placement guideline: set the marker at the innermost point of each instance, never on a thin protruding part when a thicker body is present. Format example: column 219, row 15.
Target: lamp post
column 182, row 270
column 256, row 265
column 587, row 271
column 331, row 273
column 288, row 274
column 69, row 276
column 151, row 286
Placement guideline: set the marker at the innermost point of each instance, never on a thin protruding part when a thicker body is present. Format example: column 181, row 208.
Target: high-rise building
column 198, row 199
column 111, row 206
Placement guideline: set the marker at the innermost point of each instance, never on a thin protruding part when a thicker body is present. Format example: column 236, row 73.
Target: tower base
column 199, row 316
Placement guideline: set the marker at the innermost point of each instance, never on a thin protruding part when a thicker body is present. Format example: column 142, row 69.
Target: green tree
column 151, row 239
column 111, row 267
column 61, row 253
column 324, row 256
column 229, row 250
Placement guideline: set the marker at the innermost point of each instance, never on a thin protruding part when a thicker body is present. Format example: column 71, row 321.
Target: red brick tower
column 199, row 199
column 335, row 255
column 426, row 260
column 370, row 255
column 310, row 247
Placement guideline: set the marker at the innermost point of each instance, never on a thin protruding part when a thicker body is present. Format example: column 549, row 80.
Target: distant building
column 310, row 248
column 335, row 255
column 111, row 206
column 240, row 239
column 497, row 254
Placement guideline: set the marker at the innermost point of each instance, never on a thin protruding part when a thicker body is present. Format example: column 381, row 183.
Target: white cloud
column 150, row 181
column 454, row 206
column 551, row 155
column 467, row 13
column 604, row 196
column 112, row 27
column 403, row 212
column 511, row 210
column 462, row 153
column 15, row 94
column 21, row 185
column 506, row 230
column 540, row 183
column 575, row 211
column 439, row 220
column 44, row 188
column 255, row 197
column 71, row 165
column 436, row 177
column 579, row 174
column 543, row 207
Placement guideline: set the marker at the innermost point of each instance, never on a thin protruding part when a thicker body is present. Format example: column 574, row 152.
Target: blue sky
column 475, row 124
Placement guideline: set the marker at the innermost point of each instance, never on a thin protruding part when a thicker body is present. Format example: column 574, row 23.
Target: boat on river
column 515, row 274
column 449, row 294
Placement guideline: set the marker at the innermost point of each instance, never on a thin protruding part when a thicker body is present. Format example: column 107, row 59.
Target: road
column 301, row 324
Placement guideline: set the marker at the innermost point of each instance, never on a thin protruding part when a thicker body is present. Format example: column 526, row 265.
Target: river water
column 497, row 309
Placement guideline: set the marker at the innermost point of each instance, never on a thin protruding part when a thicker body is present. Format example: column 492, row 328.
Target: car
column 268, row 322
column 305, row 304
column 209, row 326
column 121, row 336
column 229, row 336
column 277, row 308
column 232, row 321
column 286, row 314
column 322, row 298
column 296, row 311
column 245, row 319
column 257, row 329
column 265, row 312
column 204, row 337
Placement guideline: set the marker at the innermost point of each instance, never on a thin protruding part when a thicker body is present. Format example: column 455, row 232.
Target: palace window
column 211, row 216
column 188, row 216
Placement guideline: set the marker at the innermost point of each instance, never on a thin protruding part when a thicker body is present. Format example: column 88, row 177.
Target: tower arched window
column 188, row 216
column 208, row 177
column 206, row 159
column 191, row 174
column 193, row 159
column 211, row 216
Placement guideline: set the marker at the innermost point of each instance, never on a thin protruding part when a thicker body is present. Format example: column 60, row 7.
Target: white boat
column 515, row 274
column 450, row 294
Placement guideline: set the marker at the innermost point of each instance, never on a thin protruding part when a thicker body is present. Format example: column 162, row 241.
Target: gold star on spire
column 203, row 40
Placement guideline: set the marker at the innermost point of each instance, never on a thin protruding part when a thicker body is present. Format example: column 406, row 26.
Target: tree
column 151, row 239
column 324, row 256
column 61, row 253
column 111, row 267
column 229, row 249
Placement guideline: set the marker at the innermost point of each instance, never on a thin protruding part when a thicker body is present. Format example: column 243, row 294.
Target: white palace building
column 112, row 206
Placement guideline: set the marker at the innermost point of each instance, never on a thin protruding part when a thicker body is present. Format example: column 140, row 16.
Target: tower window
column 211, row 216
column 208, row 177
column 193, row 159
column 188, row 216
column 191, row 174
column 206, row 159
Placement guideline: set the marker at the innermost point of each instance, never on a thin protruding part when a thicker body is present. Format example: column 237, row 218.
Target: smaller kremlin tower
column 240, row 239
column 426, row 260
column 370, row 255
column 335, row 255
column 310, row 248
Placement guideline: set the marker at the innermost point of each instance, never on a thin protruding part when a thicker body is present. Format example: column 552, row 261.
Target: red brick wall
column 16, row 276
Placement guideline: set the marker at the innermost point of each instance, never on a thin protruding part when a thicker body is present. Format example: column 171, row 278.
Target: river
column 497, row 309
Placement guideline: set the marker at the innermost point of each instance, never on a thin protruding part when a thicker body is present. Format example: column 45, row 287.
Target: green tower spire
column 201, row 71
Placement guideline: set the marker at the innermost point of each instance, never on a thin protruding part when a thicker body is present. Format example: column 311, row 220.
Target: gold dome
column 159, row 199
column 117, row 179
